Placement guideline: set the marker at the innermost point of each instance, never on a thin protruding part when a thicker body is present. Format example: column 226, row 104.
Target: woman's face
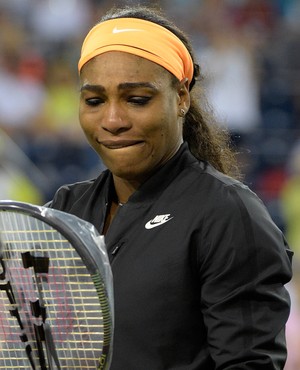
column 130, row 113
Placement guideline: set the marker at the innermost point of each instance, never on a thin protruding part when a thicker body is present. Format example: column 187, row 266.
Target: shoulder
column 68, row 194
column 217, row 191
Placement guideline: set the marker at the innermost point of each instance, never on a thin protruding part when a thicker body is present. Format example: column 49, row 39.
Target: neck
column 124, row 189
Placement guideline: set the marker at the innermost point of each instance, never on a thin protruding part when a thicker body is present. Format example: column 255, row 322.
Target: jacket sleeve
column 243, row 267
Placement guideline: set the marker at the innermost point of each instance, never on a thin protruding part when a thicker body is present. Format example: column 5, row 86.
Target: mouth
column 118, row 144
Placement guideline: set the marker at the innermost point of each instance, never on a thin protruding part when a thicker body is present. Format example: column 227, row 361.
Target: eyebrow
column 122, row 86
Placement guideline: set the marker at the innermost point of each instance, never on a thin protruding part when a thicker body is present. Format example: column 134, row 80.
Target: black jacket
column 199, row 270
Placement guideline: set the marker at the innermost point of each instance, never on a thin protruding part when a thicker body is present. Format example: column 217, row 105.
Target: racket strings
column 48, row 283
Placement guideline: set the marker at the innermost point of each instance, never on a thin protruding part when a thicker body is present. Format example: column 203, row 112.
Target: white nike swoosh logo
column 157, row 221
column 119, row 30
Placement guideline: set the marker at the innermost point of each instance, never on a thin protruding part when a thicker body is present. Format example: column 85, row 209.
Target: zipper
column 115, row 251
column 104, row 218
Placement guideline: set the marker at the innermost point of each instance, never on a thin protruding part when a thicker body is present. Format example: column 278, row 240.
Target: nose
column 115, row 119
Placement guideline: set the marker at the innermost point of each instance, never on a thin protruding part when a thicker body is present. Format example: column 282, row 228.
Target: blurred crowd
column 249, row 53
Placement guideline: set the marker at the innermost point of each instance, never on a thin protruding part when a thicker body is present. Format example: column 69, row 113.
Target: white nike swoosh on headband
column 118, row 30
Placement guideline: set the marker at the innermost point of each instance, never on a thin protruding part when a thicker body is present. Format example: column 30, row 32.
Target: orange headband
column 139, row 37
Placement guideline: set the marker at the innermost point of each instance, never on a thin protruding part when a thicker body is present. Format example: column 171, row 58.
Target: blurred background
column 249, row 53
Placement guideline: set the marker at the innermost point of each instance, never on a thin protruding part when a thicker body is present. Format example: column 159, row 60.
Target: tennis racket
column 56, row 295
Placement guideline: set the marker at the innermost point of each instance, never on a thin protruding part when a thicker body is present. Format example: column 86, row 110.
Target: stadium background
column 249, row 52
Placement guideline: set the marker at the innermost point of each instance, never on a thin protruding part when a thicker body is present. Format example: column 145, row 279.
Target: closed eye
column 93, row 101
column 139, row 100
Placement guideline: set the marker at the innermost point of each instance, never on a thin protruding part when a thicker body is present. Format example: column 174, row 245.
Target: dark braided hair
column 207, row 140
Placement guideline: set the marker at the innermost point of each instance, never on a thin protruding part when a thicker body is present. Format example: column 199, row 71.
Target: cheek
column 157, row 133
column 169, row 128
column 86, row 122
column 81, row 115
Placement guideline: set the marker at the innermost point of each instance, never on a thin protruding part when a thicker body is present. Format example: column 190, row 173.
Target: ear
column 183, row 97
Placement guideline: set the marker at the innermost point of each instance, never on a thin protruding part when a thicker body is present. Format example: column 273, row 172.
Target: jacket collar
column 160, row 180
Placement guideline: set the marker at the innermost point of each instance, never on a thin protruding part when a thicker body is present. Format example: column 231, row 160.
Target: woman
column 199, row 267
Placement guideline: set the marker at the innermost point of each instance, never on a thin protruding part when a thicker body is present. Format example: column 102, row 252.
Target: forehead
column 122, row 66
